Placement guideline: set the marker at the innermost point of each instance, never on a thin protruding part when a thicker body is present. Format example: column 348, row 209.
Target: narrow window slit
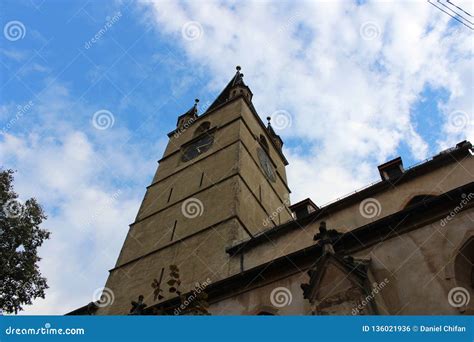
column 161, row 275
column 202, row 178
column 174, row 229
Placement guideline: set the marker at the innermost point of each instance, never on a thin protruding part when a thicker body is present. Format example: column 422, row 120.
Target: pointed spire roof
column 276, row 138
column 237, row 80
column 269, row 126
column 192, row 112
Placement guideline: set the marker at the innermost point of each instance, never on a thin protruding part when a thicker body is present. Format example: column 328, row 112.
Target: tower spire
column 275, row 137
column 238, row 78
column 236, row 87
column 189, row 117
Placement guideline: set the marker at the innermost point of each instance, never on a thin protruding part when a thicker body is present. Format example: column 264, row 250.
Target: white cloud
column 84, row 178
column 15, row 55
column 348, row 74
column 349, row 95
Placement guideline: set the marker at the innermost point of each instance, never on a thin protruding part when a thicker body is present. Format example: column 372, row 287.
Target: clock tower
column 221, row 180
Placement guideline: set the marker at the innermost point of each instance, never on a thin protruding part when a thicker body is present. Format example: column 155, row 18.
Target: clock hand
column 203, row 145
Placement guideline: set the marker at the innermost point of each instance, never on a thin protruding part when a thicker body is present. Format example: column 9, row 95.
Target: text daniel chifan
column 442, row 328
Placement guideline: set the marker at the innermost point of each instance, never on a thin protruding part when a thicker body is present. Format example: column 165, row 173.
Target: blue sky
column 354, row 83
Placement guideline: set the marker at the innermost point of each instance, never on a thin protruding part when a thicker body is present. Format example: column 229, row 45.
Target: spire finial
column 269, row 119
column 325, row 238
column 196, row 102
column 238, row 68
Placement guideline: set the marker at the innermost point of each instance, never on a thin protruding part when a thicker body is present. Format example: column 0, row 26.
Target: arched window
column 264, row 143
column 202, row 128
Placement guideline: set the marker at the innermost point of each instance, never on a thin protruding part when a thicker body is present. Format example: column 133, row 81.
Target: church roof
column 192, row 112
column 356, row 240
column 237, row 80
column 441, row 159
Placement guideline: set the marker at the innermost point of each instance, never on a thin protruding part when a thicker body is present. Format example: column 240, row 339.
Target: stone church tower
column 218, row 212
column 219, row 180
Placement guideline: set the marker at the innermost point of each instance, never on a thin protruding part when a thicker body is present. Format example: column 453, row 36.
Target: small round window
column 202, row 128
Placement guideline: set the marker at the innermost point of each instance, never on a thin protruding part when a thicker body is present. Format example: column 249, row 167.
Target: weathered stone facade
column 218, row 208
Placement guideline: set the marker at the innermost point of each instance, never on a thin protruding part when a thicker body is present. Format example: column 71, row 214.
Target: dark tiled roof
column 452, row 155
column 193, row 111
column 238, row 79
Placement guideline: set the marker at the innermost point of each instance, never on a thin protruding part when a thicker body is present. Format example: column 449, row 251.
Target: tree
column 193, row 303
column 20, row 237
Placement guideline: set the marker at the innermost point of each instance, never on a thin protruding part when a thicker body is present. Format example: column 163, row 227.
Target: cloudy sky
column 89, row 90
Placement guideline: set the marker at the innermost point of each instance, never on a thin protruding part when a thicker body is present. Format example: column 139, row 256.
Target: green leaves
column 174, row 282
column 157, row 290
column 21, row 235
column 191, row 303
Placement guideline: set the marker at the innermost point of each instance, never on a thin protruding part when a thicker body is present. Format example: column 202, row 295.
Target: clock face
column 266, row 164
column 197, row 147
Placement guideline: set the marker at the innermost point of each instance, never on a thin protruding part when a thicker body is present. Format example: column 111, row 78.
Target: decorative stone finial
column 325, row 238
column 138, row 307
column 195, row 105
column 323, row 229
column 238, row 68
column 269, row 119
